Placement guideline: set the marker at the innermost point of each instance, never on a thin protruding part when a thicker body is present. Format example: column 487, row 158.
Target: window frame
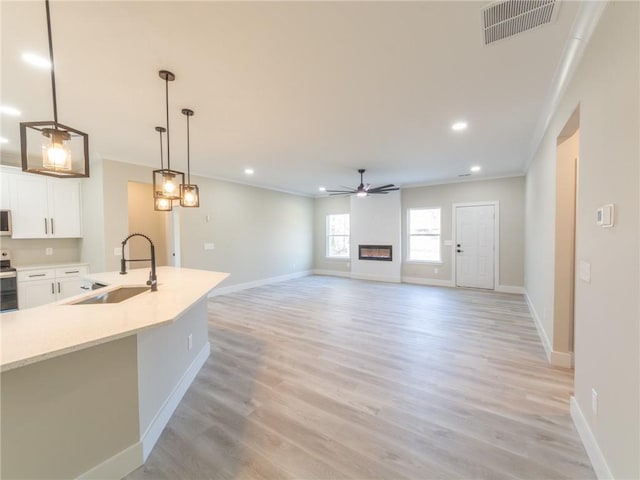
column 408, row 258
column 328, row 235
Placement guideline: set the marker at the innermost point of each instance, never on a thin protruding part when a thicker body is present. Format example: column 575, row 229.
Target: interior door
column 475, row 246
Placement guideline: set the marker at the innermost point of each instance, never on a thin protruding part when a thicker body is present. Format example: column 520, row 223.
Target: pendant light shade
column 166, row 182
column 189, row 193
column 49, row 147
column 161, row 204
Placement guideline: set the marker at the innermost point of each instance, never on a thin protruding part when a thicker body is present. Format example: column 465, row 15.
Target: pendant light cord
column 53, row 73
column 161, row 158
column 166, row 83
column 188, row 155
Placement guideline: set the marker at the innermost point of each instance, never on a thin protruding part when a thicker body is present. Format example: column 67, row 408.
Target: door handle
column 53, row 289
column 52, row 226
column 58, row 287
column 46, row 227
column 460, row 251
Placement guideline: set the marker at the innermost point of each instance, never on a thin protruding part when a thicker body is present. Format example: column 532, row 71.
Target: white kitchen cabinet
column 69, row 281
column 40, row 285
column 5, row 199
column 45, row 207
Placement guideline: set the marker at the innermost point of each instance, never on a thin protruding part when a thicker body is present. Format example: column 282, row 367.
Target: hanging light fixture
column 189, row 193
column 64, row 150
column 166, row 182
column 162, row 204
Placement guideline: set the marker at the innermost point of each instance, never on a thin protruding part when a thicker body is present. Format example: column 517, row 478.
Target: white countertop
column 44, row 266
column 36, row 334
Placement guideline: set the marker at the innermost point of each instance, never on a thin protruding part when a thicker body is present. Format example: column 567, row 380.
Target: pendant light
column 166, row 182
column 162, row 204
column 189, row 193
column 64, row 150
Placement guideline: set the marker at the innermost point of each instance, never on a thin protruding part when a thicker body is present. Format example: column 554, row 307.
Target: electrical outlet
column 189, row 342
column 209, row 246
column 117, row 251
column 48, row 251
column 436, row 270
column 594, row 401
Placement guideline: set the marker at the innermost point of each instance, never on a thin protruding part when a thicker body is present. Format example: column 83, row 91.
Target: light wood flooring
column 323, row 377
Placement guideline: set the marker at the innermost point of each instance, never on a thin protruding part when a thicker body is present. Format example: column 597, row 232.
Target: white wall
column 324, row 206
column 509, row 192
column 375, row 220
column 258, row 234
column 607, row 356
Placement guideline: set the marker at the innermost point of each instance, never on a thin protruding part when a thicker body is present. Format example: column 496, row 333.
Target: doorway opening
column 567, row 159
column 144, row 219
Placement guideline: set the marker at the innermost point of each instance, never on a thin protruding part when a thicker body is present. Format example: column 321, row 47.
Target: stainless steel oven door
column 8, row 291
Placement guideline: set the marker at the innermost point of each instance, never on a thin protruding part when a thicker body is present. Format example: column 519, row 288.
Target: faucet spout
column 153, row 279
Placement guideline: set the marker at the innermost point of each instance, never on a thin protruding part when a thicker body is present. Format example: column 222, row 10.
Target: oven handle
column 8, row 274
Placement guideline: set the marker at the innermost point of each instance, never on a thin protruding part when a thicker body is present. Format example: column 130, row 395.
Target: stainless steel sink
column 116, row 295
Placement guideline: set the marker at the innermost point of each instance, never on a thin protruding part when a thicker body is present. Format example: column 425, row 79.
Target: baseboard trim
column 432, row 282
column 257, row 283
column 541, row 333
column 153, row 432
column 332, row 273
column 561, row 359
column 118, row 466
column 375, row 278
column 510, row 289
column 598, row 462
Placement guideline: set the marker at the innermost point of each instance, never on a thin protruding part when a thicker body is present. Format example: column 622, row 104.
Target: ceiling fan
column 364, row 190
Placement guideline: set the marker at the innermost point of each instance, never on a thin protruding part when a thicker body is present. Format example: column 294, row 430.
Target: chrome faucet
column 153, row 280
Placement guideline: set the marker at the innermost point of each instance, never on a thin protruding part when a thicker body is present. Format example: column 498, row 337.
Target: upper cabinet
column 44, row 207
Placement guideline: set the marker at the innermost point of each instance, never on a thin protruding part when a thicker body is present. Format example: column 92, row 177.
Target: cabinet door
column 5, row 200
column 64, row 208
column 36, row 293
column 69, row 281
column 29, row 206
column 68, row 287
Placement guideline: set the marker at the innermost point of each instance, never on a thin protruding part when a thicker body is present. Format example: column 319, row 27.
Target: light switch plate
column 209, row 246
column 448, row 243
column 48, row 251
column 584, row 271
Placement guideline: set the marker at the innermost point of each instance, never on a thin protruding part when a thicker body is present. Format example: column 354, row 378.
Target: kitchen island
column 88, row 388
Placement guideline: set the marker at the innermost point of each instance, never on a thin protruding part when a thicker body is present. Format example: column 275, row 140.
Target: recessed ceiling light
column 3, row 140
column 459, row 126
column 248, row 171
column 36, row 60
column 322, row 189
column 14, row 112
column 475, row 168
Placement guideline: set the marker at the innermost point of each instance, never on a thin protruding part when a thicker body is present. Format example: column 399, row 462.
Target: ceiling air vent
column 504, row 19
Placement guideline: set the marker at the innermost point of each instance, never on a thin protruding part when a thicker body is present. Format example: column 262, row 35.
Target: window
column 424, row 235
column 338, row 236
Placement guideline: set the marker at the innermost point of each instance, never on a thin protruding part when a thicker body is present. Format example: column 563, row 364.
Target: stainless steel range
column 8, row 283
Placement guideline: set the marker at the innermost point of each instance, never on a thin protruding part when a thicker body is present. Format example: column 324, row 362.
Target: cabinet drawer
column 32, row 275
column 69, row 272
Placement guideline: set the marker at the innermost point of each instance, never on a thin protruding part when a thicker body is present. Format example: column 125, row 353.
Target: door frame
column 496, row 239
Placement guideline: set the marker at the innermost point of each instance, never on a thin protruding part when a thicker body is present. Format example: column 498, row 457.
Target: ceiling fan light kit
column 64, row 151
column 364, row 190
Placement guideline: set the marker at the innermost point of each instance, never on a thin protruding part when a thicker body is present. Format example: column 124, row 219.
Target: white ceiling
column 304, row 92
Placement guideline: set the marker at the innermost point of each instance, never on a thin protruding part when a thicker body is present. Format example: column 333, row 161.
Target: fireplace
column 375, row 252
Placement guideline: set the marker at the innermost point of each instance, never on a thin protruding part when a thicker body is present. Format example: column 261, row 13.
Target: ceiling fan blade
column 382, row 187
column 340, row 193
column 378, row 190
column 349, row 190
